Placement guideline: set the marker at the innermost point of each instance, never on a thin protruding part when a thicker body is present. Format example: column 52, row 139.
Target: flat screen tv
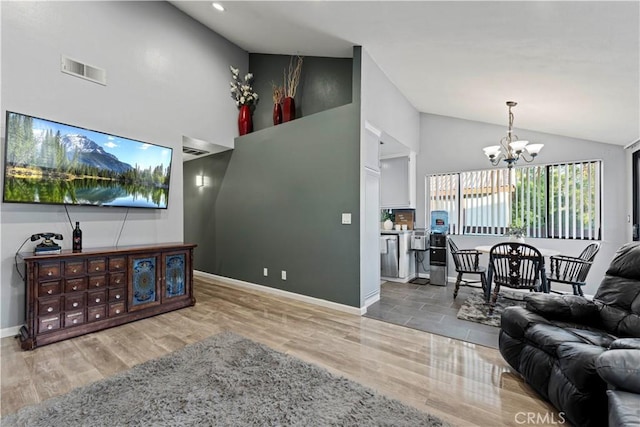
column 55, row 163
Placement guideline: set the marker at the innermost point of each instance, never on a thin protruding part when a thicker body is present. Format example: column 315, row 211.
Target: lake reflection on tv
column 85, row 192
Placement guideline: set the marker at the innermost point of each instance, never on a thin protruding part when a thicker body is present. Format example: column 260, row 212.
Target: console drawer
column 49, row 288
column 97, row 282
column 76, row 285
column 48, row 323
column 96, row 313
column 74, row 302
column 73, row 318
column 48, row 306
column 74, row 268
column 96, row 298
column 116, row 309
column 96, row 265
column 116, row 295
column 49, row 270
column 117, row 263
column 117, row 279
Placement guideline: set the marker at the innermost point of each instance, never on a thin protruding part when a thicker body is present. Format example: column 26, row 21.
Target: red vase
column 288, row 109
column 245, row 124
column 277, row 114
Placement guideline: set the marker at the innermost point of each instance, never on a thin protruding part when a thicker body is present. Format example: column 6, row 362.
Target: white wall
column 384, row 107
column 452, row 145
column 167, row 76
column 383, row 111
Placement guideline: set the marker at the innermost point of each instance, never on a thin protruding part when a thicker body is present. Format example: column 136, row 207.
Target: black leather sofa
column 560, row 344
column 619, row 367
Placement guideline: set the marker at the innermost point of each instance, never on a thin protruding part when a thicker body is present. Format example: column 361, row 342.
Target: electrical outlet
column 346, row 218
column 284, row 275
column 265, row 272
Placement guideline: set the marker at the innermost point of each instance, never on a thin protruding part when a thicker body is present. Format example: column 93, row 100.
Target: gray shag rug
column 475, row 309
column 225, row 380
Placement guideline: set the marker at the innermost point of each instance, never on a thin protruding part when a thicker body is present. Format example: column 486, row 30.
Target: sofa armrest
column 620, row 368
column 571, row 308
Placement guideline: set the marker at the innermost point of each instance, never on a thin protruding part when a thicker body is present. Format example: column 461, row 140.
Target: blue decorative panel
column 175, row 275
column 144, row 281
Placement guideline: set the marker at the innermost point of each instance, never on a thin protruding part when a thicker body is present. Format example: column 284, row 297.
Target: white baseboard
column 9, row 332
column 371, row 300
column 228, row 281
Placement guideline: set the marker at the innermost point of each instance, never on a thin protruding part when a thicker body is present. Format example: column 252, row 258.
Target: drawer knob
column 49, row 326
column 118, row 281
column 75, row 304
column 49, row 310
column 118, row 311
column 97, row 299
column 117, row 265
column 118, row 296
column 50, row 273
column 75, row 270
column 50, row 291
column 97, row 316
column 75, row 288
column 97, row 284
column 97, row 268
column 75, row 320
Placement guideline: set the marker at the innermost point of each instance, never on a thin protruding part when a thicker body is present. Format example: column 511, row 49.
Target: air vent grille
column 193, row 151
column 84, row 71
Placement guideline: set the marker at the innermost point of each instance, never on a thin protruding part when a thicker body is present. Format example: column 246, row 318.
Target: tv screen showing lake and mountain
column 55, row 163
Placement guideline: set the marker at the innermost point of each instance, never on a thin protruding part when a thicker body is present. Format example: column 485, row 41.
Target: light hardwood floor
column 463, row 383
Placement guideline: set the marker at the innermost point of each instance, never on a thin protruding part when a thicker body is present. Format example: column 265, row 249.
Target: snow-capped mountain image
column 90, row 153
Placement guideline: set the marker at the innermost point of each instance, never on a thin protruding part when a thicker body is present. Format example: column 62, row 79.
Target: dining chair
column 515, row 265
column 467, row 262
column 573, row 270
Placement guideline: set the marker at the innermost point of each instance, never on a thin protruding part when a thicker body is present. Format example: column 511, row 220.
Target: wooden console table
column 75, row 293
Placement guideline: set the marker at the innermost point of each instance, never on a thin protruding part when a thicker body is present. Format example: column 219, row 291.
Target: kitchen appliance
column 419, row 239
column 389, row 251
column 438, row 259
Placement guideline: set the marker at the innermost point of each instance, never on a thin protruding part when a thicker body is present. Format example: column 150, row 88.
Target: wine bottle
column 77, row 238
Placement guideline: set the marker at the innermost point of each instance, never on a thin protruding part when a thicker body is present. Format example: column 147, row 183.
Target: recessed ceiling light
column 218, row 6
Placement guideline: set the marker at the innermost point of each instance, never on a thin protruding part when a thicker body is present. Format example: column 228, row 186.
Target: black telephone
column 47, row 242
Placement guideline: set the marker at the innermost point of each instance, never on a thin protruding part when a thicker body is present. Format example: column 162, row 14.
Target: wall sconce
column 199, row 180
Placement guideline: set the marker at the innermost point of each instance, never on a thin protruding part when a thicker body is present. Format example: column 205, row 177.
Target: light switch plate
column 346, row 218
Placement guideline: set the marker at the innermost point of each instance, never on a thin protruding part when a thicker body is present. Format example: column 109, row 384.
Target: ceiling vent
column 193, row 151
column 84, row 71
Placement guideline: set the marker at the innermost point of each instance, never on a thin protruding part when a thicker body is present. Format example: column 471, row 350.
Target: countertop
column 396, row 231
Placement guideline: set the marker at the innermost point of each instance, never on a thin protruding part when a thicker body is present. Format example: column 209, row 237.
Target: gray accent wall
column 325, row 83
column 167, row 77
column 279, row 207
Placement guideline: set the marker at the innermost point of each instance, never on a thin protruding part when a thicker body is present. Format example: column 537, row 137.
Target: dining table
column 545, row 252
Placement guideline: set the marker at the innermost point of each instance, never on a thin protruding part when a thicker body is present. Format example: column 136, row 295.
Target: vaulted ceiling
column 572, row 66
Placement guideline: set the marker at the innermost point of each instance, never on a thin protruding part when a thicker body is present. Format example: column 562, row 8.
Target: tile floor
column 432, row 309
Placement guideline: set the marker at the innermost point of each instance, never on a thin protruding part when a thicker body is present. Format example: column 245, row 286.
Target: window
column 560, row 201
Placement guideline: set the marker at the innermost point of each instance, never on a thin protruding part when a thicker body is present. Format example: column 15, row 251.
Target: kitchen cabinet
column 395, row 183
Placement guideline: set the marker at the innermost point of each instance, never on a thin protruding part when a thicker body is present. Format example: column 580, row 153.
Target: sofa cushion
column 623, row 408
column 621, row 369
column 577, row 362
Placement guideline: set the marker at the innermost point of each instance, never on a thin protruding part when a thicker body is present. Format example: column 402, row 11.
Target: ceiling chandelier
column 511, row 149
